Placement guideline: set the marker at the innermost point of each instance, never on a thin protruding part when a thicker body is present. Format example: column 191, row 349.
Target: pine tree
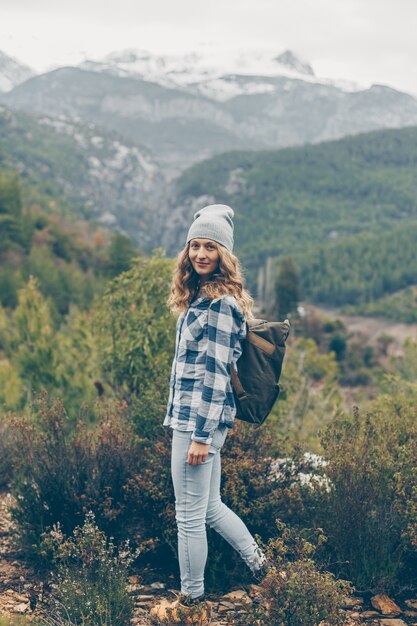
column 33, row 343
column 10, row 211
column 287, row 288
column 121, row 251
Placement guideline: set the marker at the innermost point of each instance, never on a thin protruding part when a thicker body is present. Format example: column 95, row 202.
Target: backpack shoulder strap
column 237, row 385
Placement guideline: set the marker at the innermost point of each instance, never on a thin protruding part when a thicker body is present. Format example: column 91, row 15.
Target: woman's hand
column 197, row 453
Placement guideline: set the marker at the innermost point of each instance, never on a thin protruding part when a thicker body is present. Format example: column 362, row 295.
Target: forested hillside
column 86, row 171
column 362, row 267
column 346, row 210
column 71, row 261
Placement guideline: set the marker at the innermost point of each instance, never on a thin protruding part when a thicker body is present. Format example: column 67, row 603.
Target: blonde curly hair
column 227, row 279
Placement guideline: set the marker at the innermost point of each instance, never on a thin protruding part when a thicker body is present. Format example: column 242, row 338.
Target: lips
column 201, row 263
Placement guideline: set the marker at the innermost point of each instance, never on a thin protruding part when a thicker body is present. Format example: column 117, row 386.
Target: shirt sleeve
column 224, row 326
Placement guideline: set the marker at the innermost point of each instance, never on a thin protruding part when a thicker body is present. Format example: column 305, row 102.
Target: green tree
column 10, row 281
column 30, row 341
column 287, row 287
column 10, row 211
column 337, row 345
column 78, row 370
column 136, row 327
column 121, row 251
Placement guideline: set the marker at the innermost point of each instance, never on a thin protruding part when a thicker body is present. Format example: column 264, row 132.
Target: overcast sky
column 367, row 41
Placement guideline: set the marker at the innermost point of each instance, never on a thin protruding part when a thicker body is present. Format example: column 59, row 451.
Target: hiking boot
column 255, row 589
column 184, row 610
column 262, row 571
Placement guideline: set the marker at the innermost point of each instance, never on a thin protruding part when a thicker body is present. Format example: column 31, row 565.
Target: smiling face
column 204, row 257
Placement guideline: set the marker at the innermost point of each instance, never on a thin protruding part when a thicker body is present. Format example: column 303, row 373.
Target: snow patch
column 225, row 88
column 210, row 71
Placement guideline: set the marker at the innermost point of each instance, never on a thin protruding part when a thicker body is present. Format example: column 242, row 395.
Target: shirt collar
column 199, row 301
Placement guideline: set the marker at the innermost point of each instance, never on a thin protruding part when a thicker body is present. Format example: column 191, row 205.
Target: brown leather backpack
column 255, row 383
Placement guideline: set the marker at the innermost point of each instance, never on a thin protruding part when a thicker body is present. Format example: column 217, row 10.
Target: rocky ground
column 22, row 594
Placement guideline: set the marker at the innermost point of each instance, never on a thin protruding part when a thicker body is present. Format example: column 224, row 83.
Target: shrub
column 295, row 591
column 59, row 475
column 126, row 481
column 6, row 438
column 369, row 515
column 92, row 575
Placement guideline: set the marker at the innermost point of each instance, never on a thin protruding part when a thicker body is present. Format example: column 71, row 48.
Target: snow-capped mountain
column 211, row 73
column 187, row 108
column 12, row 72
column 293, row 62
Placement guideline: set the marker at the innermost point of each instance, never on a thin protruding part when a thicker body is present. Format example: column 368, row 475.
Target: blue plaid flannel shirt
column 208, row 341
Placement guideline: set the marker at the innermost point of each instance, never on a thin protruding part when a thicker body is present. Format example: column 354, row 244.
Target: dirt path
column 18, row 585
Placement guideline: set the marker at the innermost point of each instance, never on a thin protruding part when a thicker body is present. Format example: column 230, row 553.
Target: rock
column 21, row 608
column 412, row 604
column 228, row 605
column 20, row 598
column 254, row 588
column 134, row 580
column 385, row 605
column 410, row 613
column 392, row 622
column 352, row 602
column 238, row 594
column 368, row 614
column 157, row 585
column 145, row 588
column 354, row 614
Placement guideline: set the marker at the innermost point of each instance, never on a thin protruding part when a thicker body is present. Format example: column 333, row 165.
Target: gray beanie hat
column 213, row 222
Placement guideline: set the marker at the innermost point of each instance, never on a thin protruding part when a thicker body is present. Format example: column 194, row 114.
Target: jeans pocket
column 219, row 437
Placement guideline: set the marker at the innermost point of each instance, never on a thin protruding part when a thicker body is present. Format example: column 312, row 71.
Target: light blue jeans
column 197, row 502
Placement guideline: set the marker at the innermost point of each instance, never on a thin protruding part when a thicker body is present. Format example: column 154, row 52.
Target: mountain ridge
column 193, row 70
column 12, row 72
column 183, row 126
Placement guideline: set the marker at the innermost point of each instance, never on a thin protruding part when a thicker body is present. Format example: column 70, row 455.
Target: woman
column 207, row 290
